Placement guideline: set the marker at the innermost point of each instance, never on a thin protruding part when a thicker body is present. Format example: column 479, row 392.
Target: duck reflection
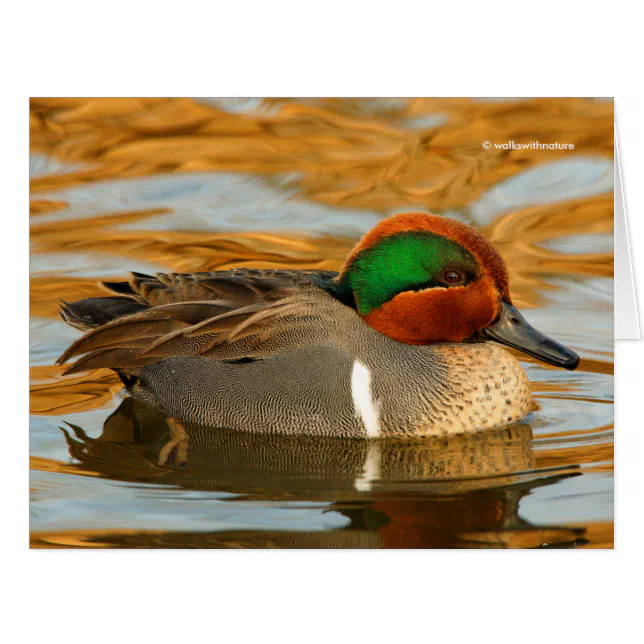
column 429, row 493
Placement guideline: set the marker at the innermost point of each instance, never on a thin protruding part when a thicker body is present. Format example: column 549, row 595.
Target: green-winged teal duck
column 404, row 341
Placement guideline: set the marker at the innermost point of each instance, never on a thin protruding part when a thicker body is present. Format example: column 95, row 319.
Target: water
column 183, row 185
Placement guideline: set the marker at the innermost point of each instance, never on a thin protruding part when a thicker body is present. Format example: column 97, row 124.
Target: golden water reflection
column 440, row 492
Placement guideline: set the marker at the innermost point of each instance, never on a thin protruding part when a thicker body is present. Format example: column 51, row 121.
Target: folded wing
column 225, row 315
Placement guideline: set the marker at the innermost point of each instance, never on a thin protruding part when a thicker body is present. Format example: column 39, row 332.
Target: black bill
column 513, row 330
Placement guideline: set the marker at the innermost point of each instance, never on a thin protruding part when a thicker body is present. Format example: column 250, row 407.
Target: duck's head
column 423, row 279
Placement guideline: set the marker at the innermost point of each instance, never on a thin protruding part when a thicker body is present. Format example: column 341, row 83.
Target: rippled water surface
column 185, row 185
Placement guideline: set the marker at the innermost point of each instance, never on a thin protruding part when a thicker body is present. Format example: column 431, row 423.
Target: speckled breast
column 486, row 388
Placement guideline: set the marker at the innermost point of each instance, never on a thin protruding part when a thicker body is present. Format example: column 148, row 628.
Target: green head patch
column 409, row 261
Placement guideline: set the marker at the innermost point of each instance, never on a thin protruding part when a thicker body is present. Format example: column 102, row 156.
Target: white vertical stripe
column 370, row 469
column 366, row 408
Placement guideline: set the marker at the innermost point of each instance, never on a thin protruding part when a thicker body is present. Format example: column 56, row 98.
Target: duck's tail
column 95, row 311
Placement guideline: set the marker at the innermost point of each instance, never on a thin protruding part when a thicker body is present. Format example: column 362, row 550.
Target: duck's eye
column 452, row 277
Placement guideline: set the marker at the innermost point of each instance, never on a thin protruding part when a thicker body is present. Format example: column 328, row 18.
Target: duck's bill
column 513, row 330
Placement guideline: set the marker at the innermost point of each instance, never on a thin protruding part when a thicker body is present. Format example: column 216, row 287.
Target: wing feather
column 223, row 315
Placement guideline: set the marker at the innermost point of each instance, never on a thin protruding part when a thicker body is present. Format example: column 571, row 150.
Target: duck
column 406, row 340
